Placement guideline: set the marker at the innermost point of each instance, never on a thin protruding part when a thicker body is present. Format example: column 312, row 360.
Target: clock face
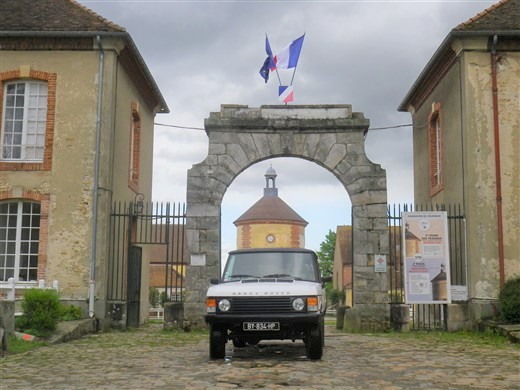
column 270, row 238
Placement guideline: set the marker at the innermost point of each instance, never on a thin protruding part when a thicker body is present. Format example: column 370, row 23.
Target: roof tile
column 502, row 16
column 52, row 15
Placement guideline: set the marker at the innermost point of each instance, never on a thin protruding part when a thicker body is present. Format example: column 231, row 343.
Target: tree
column 326, row 253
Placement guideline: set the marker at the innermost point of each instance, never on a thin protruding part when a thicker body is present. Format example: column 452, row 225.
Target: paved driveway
column 149, row 359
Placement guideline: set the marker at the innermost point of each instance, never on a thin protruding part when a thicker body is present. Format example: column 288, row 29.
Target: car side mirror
column 214, row 280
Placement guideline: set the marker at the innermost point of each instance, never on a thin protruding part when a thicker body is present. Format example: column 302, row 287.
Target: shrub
column 41, row 312
column 153, row 297
column 164, row 298
column 334, row 297
column 509, row 299
column 70, row 313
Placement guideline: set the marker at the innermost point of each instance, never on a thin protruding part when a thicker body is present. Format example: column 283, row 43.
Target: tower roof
column 271, row 209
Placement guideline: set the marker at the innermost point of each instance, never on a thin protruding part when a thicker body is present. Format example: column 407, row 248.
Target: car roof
column 272, row 250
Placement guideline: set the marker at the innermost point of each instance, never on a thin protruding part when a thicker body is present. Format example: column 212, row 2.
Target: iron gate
column 426, row 316
column 132, row 226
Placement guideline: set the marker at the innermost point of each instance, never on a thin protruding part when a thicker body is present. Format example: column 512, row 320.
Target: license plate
column 261, row 326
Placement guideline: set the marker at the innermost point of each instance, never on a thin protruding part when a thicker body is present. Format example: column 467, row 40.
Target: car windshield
column 286, row 265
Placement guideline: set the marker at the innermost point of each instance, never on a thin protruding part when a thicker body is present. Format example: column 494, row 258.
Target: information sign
column 426, row 257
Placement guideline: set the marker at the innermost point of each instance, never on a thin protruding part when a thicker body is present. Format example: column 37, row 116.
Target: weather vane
column 287, row 58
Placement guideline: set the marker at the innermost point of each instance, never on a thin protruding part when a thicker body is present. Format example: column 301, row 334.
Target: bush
column 41, row 312
column 70, row 313
column 153, row 297
column 509, row 299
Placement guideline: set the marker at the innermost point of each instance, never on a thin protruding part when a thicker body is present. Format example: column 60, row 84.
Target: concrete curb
column 72, row 330
column 511, row 331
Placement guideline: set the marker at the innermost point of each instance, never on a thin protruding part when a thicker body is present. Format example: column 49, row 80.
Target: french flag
column 288, row 57
column 285, row 93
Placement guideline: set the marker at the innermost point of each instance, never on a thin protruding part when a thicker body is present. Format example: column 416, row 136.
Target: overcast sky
column 206, row 53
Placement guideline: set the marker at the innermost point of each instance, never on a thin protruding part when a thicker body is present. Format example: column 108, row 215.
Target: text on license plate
column 261, row 326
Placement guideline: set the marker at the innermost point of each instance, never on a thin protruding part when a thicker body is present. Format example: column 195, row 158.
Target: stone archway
column 332, row 136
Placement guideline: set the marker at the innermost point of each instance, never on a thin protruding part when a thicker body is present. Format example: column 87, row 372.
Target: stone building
column 77, row 106
column 466, row 140
column 270, row 222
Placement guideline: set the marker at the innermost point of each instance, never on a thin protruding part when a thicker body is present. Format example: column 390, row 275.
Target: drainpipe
column 95, row 187
column 500, row 229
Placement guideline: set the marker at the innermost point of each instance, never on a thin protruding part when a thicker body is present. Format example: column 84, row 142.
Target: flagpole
column 279, row 80
column 276, row 69
column 292, row 79
column 293, row 74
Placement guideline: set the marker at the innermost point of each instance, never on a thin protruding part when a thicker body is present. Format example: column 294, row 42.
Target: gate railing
column 426, row 316
column 160, row 225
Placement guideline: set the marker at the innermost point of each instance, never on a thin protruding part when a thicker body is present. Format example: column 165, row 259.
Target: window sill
column 11, row 165
column 18, row 285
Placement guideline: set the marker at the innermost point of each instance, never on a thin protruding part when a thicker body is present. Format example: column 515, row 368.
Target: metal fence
column 158, row 226
column 426, row 316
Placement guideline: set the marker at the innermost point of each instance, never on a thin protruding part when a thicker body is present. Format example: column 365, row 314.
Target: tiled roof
column 270, row 208
column 52, row 15
column 69, row 19
column 502, row 16
column 501, row 19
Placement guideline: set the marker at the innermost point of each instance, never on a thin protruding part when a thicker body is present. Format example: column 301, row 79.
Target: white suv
column 267, row 294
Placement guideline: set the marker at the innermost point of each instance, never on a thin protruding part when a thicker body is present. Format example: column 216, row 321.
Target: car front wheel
column 217, row 342
column 314, row 342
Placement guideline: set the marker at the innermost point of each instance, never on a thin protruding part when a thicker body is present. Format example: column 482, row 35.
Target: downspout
column 500, row 229
column 95, row 188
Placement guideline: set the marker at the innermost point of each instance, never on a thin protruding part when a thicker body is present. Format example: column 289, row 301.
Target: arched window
column 19, row 240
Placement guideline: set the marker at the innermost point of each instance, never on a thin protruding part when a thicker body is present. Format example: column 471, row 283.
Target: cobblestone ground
column 150, row 359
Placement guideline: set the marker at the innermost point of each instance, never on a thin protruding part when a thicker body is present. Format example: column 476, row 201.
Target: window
column 24, row 121
column 435, row 150
column 19, row 240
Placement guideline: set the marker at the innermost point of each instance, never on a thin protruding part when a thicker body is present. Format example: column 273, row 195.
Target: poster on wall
column 426, row 257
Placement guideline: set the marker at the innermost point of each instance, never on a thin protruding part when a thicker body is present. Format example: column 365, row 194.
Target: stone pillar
column 400, row 317
column 174, row 316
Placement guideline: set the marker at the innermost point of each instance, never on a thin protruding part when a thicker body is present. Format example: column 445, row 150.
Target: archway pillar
column 332, row 136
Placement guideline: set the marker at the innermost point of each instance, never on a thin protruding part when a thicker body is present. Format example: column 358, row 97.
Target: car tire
column 217, row 342
column 253, row 341
column 314, row 342
column 239, row 343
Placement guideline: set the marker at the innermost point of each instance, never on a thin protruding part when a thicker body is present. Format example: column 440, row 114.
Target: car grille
column 254, row 305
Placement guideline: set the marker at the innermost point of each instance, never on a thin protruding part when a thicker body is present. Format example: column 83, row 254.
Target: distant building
column 466, row 137
column 342, row 278
column 342, row 269
column 270, row 222
column 167, row 262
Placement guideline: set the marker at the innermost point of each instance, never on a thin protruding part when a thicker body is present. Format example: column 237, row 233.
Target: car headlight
column 224, row 305
column 298, row 304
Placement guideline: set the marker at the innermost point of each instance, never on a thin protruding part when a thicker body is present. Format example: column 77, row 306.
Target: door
column 133, row 305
